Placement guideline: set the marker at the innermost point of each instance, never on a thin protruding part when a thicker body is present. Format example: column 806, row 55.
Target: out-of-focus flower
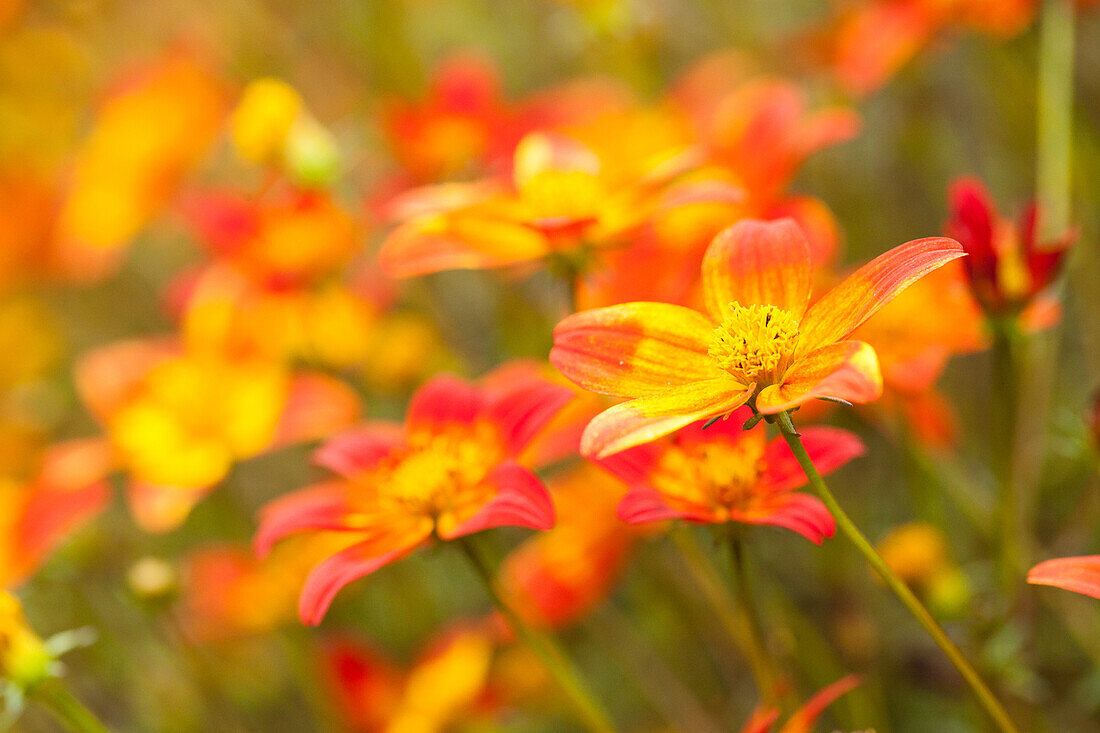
column 1078, row 574
column 178, row 420
column 870, row 41
column 461, row 125
column 565, row 197
column 556, row 577
column 726, row 474
column 913, row 349
column 447, row 685
column 68, row 489
column 272, row 126
column 757, row 342
column 450, row 472
column 763, row 718
column 147, row 135
column 1008, row 269
column 25, row 660
column 918, row 553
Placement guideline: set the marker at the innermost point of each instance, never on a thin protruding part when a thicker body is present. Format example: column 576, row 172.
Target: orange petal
column 647, row 418
column 758, row 263
column 847, row 370
column 317, row 405
column 162, row 508
column 1078, row 574
column 861, row 294
column 458, row 242
column 634, row 349
column 803, row 720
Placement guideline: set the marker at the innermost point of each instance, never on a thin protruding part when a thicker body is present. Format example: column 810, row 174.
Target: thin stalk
column 759, row 660
column 709, row 582
column 1055, row 116
column 70, row 712
column 553, row 658
column 1002, row 436
column 844, row 523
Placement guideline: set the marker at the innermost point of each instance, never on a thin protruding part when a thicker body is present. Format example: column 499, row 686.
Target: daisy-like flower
column 726, row 474
column 449, row 472
column 757, row 343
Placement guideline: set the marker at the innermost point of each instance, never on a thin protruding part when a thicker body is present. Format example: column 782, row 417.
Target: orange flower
column 556, row 577
column 1009, row 271
column 178, row 420
column 451, row 472
column 726, row 474
column 763, row 718
column 1078, row 574
column 565, row 196
column 446, row 685
column 758, row 343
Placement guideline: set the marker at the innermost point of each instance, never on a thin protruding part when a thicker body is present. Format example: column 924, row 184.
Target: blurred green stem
column 556, row 662
column 1002, row 434
column 1055, row 116
column 906, row 596
column 757, row 651
column 55, row 697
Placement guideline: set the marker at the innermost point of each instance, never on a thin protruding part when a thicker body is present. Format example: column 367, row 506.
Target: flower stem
column 55, row 697
column 756, row 650
column 985, row 696
column 1003, row 432
column 1055, row 116
column 548, row 651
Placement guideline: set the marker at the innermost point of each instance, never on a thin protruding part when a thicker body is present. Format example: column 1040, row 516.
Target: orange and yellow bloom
column 451, row 471
column 726, row 474
column 759, row 341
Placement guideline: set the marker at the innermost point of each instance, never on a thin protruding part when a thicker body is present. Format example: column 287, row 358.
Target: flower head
column 1008, row 267
column 451, row 471
column 757, row 343
column 726, row 474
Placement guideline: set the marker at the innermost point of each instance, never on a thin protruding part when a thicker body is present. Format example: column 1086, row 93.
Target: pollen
column 753, row 342
column 718, row 475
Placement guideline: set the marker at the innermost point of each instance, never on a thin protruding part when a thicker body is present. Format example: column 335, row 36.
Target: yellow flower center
column 441, row 472
column 713, row 475
column 753, row 342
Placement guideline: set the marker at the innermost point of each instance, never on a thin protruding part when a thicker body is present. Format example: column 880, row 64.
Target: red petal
column 1078, row 574
column 323, row 506
column 521, row 500
column 522, row 409
column 317, row 405
column 829, row 449
column 643, row 504
column 634, row 465
column 799, row 513
column 444, row 400
column 349, row 454
column 803, row 720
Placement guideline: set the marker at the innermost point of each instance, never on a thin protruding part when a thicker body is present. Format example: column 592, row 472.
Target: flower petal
column 444, row 400
column 829, row 449
column 861, row 294
column 647, row 418
column 847, row 370
column 458, row 241
column 521, row 500
column 325, row 581
column 351, row 453
column 520, row 410
column 634, row 349
column 633, row 465
column 803, row 720
column 323, row 506
column 797, row 512
column 317, row 405
column 643, row 504
column 758, row 263
column 1078, row 574
column 161, row 508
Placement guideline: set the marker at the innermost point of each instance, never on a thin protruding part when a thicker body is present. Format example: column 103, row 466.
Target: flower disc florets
column 753, row 342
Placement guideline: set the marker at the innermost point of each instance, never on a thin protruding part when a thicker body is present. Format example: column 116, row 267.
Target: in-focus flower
column 763, row 718
column 445, row 686
column 556, row 577
column 726, row 474
column 449, row 472
column 1078, row 574
column 757, row 343
column 1008, row 268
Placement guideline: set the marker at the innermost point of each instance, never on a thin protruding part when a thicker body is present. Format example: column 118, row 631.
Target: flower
column 451, row 471
column 1008, row 268
column 804, row 718
column 726, row 474
column 1078, row 574
column 758, row 342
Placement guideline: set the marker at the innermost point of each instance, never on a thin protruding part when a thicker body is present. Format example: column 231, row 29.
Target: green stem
column 1055, row 116
column 544, row 646
column 55, row 697
column 1003, row 452
column 757, row 652
column 844, row 523
column 709, row 583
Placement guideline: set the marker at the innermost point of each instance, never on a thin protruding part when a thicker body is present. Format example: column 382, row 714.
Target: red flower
column 451, row 471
